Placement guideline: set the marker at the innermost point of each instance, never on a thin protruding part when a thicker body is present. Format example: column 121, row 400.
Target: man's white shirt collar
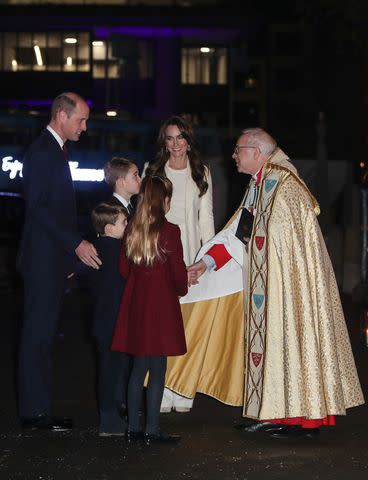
column 56, row 136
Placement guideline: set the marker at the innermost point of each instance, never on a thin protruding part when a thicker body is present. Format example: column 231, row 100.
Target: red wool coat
column 149, row 320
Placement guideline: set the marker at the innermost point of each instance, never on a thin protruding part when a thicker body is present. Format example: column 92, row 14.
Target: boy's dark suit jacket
column 115, row 201
column 107, row 288
column 113, row 368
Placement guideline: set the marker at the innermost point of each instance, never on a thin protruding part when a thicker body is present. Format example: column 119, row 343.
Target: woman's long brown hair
column 196, row 164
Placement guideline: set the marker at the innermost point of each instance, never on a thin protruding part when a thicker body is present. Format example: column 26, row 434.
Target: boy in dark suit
column 113, row 367
column 123, row 177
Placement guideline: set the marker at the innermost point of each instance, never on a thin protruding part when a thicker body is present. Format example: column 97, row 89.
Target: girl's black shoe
column 161, row 437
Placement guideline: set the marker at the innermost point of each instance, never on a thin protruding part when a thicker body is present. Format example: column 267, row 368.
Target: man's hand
column 88, row 254
column 195, row 271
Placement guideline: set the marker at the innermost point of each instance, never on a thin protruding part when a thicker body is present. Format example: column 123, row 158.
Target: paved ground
column 210, row 447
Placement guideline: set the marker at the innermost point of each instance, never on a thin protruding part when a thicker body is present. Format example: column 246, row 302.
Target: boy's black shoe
column 111, row 424
column 133, row 437
column 118, row 430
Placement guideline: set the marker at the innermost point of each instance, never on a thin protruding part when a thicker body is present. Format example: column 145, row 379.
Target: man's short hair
column 66, row 102
column 106, row 213
column 117, row 167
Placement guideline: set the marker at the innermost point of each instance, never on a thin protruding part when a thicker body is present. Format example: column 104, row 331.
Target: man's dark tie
column 65, row 150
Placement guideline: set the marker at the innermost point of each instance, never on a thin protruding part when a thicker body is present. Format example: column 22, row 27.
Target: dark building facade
column 144, row 63
column 146, row 60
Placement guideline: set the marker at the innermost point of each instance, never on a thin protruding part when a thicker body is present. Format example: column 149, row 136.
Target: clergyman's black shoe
column 258, row 427
column 294, row 431
column 46, row 422
column 161, row 437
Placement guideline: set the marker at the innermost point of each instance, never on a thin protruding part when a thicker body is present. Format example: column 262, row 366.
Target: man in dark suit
column 48, row 253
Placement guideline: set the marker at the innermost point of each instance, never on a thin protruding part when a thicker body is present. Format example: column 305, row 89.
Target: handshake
column 195, row 271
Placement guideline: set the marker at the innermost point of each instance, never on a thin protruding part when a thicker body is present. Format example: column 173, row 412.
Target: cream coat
column 199, row 222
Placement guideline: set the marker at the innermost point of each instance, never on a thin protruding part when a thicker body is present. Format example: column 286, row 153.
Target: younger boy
column 107, row 285
column 123, row 177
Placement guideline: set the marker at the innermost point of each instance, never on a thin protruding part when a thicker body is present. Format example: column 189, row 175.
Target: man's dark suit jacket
column 50, row 234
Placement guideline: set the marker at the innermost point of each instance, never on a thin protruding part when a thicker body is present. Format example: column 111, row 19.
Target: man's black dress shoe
column 294, row 431
column 46, row 422
column 133, row 437
column 161, row 437
column 258, row 427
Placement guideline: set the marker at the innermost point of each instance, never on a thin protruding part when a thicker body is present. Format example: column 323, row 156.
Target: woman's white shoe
column 165, row 409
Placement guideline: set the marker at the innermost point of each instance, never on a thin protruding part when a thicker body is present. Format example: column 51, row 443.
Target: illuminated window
column 9, row 60
column 40, row 51
column 204, row 65
column 126, row 58
column 83, row 52
column 24, row 52
column 55, row 53
column 69, row 50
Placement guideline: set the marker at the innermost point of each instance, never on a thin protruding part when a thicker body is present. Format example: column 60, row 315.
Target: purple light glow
column 32, row 103
column 28, row 103
column 202, row 33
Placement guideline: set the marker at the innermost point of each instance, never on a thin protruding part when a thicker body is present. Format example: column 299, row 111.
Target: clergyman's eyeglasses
column 238, row 147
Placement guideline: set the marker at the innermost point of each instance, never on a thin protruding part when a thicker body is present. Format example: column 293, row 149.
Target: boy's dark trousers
column 113, row 376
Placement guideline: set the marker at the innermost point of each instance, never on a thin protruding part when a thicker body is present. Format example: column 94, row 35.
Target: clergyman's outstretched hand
column 195, row 271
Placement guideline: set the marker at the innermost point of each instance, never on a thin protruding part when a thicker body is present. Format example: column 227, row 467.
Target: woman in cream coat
column 191, row 204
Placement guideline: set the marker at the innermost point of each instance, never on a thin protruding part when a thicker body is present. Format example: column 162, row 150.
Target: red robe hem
column 328, row 421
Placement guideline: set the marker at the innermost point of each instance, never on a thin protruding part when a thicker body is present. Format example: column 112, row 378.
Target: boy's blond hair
column 116, row 168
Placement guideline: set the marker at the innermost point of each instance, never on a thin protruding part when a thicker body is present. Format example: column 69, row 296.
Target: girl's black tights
column 156, row 365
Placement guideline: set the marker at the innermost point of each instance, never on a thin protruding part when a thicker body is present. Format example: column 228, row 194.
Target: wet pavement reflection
column 210, row 447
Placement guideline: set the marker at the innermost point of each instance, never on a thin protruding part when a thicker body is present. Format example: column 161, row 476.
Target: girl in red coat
column 149, row 324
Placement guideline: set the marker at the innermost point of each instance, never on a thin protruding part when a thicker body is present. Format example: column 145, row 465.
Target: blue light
column 14, row 167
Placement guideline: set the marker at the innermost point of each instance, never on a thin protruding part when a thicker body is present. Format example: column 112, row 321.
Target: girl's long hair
column 196, row 164
column 143, row 231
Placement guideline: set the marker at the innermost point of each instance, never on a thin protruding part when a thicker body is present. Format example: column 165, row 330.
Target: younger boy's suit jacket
column 107, row 288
